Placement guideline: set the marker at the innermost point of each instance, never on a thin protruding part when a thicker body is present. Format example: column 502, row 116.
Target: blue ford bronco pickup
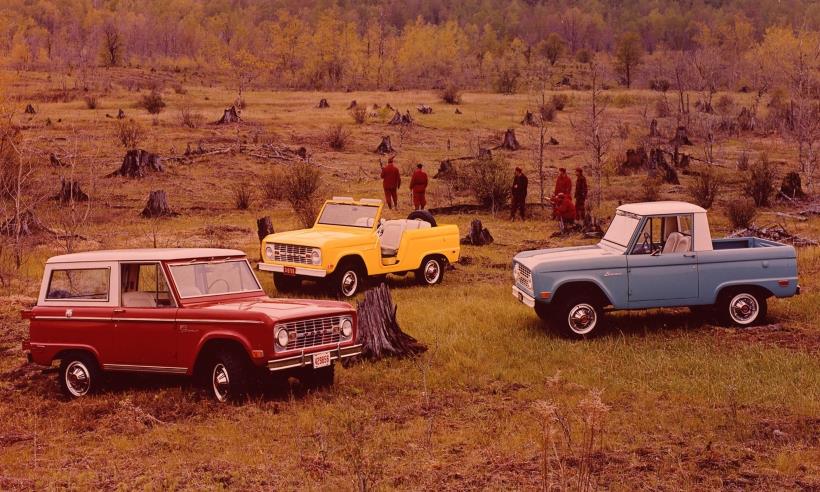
column 657, row 254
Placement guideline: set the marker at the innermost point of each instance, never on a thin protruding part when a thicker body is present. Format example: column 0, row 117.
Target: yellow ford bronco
column 350, row 242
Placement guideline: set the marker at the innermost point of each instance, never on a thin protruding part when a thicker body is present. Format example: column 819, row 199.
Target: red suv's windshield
column 210, row 278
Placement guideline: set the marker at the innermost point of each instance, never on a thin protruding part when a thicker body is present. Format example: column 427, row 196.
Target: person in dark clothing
column 418, row 186
column 391, row 180
column 519, row 194
column 581, row 192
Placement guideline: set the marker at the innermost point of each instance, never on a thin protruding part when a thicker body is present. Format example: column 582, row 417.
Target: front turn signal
column 545, row 295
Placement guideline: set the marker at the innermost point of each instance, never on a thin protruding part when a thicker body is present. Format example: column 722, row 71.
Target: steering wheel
column 227, row 285
column 646, row 243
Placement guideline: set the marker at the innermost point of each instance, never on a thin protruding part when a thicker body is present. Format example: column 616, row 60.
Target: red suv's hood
column 278, row 309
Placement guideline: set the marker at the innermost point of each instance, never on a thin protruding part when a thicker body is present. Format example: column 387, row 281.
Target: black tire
column 422, row 215
column 578, row 317
column 544, row 311
column 80, row 375
column 318, row 378
column 227, row 376
column 431, row 271
column 741, row 306
column 348, row 279
column 285, row 284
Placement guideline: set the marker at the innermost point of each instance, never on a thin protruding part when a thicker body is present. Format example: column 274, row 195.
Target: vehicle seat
column 139, row 299
column 392, row 231
column 684, row 245
column 671, row 242
column 365, row 222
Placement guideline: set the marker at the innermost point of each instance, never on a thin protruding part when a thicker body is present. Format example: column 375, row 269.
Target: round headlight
column 347, row 328
column 316, row 257
column 282, row 338
column 269, row 252
column 515, row 274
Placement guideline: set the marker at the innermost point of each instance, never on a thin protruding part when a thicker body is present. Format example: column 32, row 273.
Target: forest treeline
column 394, row 44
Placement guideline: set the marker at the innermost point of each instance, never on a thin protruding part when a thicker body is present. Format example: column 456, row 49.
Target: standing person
column 519, row 194
column 391, row 180
column 418, row 186
column 581, row 191
column 563, row 183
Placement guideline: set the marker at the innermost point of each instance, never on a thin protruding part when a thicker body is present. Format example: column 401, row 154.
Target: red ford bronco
column 195, row 312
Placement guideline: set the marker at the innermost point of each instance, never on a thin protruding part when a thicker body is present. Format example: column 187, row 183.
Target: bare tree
column 804, row 127
column 75, row 212
column 111, row 51
column 540, row 129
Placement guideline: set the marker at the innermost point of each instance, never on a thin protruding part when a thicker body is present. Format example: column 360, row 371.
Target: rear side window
column 90, row 284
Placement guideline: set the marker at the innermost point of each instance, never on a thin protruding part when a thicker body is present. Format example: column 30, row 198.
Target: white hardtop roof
column 154, row 254
column 661, row 208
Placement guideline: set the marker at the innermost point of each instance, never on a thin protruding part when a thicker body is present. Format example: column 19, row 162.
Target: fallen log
column 379, row 331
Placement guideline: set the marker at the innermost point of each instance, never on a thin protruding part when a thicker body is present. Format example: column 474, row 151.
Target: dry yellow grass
column 690, row 405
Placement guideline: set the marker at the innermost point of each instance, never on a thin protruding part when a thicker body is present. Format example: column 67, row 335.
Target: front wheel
column 79, row 375
column 741, row 307
column 348, row 280
column 228, row 375
column 431, row 271
column 578, row 318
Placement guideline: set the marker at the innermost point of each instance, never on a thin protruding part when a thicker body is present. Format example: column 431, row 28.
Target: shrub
column 190, row 117
column 152, row 102
column 725, row 104
column 651, row 187
column 451, row 94
column 623, row 100
column 91, row 101
column 704, row 188
column 658, row 84
column 743, row 161
column 489, row 181
column 547, row 111
column 741, row 212
column 583, row 56
column 130, row 133
column 359, row 114
column 560, row 101
column 506, row 81
column 337, row 137
column 301, row 186
column 243, row 196
column 761, row 181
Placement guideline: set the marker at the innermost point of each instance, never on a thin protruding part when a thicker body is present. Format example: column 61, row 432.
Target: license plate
column 322, row 359
column 290, row 271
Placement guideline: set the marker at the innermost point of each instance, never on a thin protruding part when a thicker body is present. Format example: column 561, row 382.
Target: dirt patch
column 774, row 335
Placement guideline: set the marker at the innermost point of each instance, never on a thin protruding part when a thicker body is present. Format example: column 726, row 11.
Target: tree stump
column 791, row 186
column 424, row 109
column 552, row 141
column 458, row 111
column 55, row 161
column 401, row 119
column 379, row 331
column 510, row 142
column 681, row 137
column 230, row 115
column 385, row 147
column 30, row 109
column 157, row 206
column 484, row 153
column 121, row 114
column 529, row 119
column 264, row 227
column 352, row 105
column 70, row 191
column 446, row 170
column 28, row 225
column 636, row 160
column 478, row 235
column 658, row 165
column 653, row 128
column 323, row 104
column 137, row 163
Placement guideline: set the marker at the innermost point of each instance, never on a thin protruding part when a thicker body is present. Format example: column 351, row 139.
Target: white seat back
column 139, row 299
column 392, row 231
column 684, row 244
column 672, row 242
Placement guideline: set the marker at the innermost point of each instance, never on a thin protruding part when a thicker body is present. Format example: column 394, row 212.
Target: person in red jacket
column 564, row 209
column 563, row 183
column 391, row 180
column 418, row 185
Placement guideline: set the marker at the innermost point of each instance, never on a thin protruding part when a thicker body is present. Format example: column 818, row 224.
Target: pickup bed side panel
column 765, row 267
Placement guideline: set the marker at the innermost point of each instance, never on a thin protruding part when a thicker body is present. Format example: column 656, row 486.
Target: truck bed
column 743, row 243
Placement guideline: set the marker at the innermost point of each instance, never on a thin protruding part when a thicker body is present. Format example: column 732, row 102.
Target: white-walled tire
column 79, row 375
column 431, row 271
column 578, row 317
column 227, row 376
column 741, row 307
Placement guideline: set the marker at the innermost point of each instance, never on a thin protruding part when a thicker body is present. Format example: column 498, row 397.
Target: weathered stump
column 529, row 119
column 510, row 142
column 264, row 227
column 30, row 109
column 379, row 331
column 659, row 166
column 478, row 235
column 446, row 170
column 424, row 109
column 55, row 161
column 230, row 115
column 70, row 191
column 681, row 137
column 792, row 187
column 121, row 114
column 458, row 111
column 323, row 104
column 26, row 224
column 553, row 141
column 352, row 105
column 137, row 163
column 484, row 153
column 385, row 147
column 401, row 119
column 157, row 206
column 636, row 160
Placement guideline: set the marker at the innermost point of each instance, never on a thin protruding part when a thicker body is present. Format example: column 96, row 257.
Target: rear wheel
column 741, row 307
column 431, row 271
column 228, row 376
column 79, row 375
column 284, row 283
column 578, row 317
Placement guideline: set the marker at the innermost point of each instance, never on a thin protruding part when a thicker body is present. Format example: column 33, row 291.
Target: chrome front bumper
column 523, row 297
column 304, row 359
column 305, row 272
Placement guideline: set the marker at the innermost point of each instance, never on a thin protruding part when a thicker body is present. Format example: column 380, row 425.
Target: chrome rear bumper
column 304, row 359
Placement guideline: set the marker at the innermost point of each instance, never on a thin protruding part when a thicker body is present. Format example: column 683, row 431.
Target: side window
column 650, row 238
column 144, row 285
column 89, row 284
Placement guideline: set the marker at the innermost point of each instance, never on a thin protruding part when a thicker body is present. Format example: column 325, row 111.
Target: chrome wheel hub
column 77, row 378
column 349, row 283
column 582, row 319
column 221, row 382
column 432, row 271
column 744, row 308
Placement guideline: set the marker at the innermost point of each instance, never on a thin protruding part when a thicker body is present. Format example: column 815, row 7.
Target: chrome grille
column 524, row 276
column 313, row 332
column 289, row 253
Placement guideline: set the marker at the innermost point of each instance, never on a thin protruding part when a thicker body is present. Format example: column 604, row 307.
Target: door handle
column 119, row 310
column 689, row 255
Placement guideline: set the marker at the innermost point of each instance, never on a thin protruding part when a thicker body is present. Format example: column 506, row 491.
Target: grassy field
column 663, row 402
